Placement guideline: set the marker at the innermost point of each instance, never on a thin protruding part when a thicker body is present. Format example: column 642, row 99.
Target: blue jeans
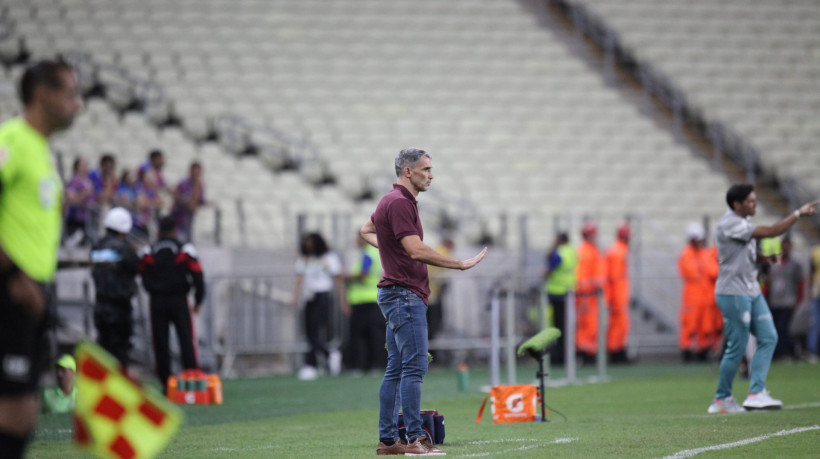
column 743, row 315
column 406, row 336
column 814, row 327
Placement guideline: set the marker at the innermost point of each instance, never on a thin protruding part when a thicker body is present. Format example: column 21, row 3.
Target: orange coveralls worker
column 590, row 274
column 616, row 291
column 713, row 319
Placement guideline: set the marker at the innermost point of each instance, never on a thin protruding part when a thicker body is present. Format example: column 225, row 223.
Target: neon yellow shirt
column 30, row 200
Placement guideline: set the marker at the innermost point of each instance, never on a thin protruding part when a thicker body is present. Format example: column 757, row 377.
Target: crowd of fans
column 143, row 191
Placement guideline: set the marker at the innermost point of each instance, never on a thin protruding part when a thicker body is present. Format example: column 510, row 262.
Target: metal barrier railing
column 251, row 316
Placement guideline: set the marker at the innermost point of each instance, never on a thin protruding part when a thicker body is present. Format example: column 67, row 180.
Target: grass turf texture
column 643, row 411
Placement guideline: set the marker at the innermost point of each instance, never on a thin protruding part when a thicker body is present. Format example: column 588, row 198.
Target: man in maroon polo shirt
column 395, row 229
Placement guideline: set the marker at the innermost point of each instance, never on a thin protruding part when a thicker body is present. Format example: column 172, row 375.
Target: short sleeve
column 740, row 229
column 402, row 214
column 334, row 263
column 300, row 266
column 7, row 163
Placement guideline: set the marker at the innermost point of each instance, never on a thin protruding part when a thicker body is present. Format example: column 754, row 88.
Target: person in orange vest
column 713, row 320
column 698, row 267
column 590, row 281
column 616, row 293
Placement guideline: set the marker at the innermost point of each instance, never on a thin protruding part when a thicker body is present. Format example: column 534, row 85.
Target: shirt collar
column 407, row 194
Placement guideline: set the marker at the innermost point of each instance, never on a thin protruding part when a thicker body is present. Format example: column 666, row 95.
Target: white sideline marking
column 539, row 443
column 801, row 406
column 747, row 441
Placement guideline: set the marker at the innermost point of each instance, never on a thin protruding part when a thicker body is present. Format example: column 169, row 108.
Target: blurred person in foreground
column 114, row 271
column 169, row 270
column 740, row 299
column 62, row 397
column 395, row 229
column 30, row 223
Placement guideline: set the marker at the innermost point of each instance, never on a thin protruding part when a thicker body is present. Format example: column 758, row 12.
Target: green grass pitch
column 644, row 410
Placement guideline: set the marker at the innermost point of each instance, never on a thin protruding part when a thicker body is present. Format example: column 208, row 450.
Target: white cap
column 119, row 220
column 695, row 231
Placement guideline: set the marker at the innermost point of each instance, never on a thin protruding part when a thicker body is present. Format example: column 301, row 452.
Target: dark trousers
column 317, row 326
column 165, row 311
column 559, row 310
column 115, row 324
column 782, row 317
column 367, row 337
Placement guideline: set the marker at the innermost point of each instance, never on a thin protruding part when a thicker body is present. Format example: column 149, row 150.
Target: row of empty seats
column 516, row 123
column 749, row 64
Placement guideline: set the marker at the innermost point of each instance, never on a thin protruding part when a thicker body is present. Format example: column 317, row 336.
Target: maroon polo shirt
column 397, row 216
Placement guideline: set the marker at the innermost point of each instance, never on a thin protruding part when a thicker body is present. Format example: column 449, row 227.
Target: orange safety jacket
column 616, row 292
column 590, row 275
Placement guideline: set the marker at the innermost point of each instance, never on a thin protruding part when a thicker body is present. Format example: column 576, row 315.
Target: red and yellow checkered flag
column 114, row 416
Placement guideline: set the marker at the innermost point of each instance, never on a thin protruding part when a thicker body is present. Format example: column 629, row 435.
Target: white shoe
column 725, row 405
column 334, row 362
column 762, row 401
column 308, row 373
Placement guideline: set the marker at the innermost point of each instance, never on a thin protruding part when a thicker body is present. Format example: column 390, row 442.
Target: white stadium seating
column 515, row 121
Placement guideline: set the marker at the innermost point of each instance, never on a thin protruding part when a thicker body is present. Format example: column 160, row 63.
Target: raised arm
column 420, row 251
column 783, row 225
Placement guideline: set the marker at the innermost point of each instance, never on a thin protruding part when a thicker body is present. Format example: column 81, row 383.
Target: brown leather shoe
column 422, row 446
column 392, row 450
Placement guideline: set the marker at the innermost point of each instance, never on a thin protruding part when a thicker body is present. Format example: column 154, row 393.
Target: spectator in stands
column 740, row 300
column 784, row 293
column 114, row 271
column 589, row 284
column 616, row 291
column 149, row 203
column 319, row 271
column 188, row 197
column 126, row 194
column 814, row 326
column 169, row 270
column 62, row 397
column 104, row 179
column 366, row 346
column 80, row 200
column 155, row 163
column 30, row 224
column 697, row 266
column 439, row 285
column 559, row 276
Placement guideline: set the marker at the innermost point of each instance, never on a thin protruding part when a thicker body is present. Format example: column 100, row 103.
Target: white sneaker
column 725, row 405
column 762, row 401
column 334, row 362
column 308, row 373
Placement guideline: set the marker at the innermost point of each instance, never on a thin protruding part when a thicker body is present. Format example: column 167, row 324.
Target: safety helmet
column 118, row 219
column 589, row 229
column 695, row 232
column 623, row 232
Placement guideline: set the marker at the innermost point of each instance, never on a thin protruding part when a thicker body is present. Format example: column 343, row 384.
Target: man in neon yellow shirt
column 61, row 398
column 30, row 221
column 360, row 304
